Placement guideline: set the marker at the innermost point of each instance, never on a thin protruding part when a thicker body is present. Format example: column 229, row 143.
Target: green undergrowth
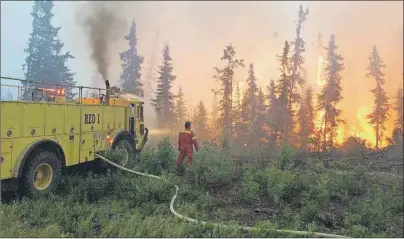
column 283, row 192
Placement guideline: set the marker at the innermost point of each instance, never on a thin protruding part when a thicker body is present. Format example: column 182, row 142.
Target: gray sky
column 198, row 32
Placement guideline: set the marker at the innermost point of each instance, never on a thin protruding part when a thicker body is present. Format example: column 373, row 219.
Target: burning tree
column 330, row 95
column 131, row 66
column 380, row 112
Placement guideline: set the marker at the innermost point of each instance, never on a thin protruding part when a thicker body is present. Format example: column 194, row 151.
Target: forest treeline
column 284, row 112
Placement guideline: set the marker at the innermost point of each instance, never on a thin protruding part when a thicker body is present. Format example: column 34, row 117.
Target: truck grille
column 142, row 129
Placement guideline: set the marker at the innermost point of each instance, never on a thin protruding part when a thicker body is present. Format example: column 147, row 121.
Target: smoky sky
column 197, row 33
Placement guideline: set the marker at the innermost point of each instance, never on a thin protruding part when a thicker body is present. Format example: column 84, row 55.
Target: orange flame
column 366, row 131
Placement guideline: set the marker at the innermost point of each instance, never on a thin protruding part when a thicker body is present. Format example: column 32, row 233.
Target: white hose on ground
column 302, row 233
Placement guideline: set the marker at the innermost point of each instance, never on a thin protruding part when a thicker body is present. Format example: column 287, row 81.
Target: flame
column 320, row 66
column 319, row 120
column 320, row 114
column 366, row 131
column 340, row 134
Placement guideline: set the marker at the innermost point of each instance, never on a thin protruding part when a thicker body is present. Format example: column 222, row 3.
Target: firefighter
column 186, row 143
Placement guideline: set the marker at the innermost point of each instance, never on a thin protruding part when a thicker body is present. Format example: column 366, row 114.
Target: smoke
column 103, row 25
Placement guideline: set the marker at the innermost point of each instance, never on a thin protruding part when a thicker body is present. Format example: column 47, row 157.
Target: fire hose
column 301, row 233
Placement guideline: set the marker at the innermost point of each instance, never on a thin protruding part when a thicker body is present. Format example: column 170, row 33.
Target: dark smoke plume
column 103, row 25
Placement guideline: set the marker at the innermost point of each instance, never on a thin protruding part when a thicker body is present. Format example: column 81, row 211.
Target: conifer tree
column 237, row 111
column 163, row 101
column 45, row 60
column 244, row 124
column 257, row 133
column 201, row 121
column 398, row 107
column 306, row 119
column 180, row 110
column 251, row 106
column 225, row 77
column 330, row 95
column 252, row 92
column 283, row 127
column 297, row 59
column 273, row 109
column 380, row 111
column 66, row 76
column 131, row 65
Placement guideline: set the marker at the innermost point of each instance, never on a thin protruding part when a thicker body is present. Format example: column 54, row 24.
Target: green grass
column 282, row 194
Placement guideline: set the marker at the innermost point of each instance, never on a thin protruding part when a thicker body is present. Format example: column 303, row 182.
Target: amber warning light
column 61, row 92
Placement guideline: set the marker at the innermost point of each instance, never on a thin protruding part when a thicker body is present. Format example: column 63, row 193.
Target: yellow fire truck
column 41, row 136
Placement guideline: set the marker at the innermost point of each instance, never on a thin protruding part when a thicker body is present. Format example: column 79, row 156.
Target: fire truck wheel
column 42, row 173
column 126, row 150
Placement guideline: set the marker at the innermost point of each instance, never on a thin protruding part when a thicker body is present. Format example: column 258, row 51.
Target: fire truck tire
column 128, row 153
column 41, row 173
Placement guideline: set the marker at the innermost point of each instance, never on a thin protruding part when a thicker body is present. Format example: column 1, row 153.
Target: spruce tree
column 225, row 77
column 44, row 60
column 252, row 92
column 163, row 101
column 330, row 95
column 306, row 119
column 398, row 107
column 273, row 109
column 131, row 65
column 201, row 121
column 284, row 126
column 380, row 111
column 257, row 133
column 244, row 123
column 297, row 59
column 180, row 110
column 237, row 111
column 66, row 76
column 251, row 106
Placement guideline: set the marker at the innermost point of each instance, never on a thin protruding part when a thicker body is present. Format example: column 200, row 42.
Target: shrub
column 343, row 185
column 157, row 161
column 251, row 185
column 211, row 169
column 375, row 215
column 278, row 184
column 286, row 158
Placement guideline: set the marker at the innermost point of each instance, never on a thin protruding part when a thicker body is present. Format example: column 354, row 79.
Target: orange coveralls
column 186, row 141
